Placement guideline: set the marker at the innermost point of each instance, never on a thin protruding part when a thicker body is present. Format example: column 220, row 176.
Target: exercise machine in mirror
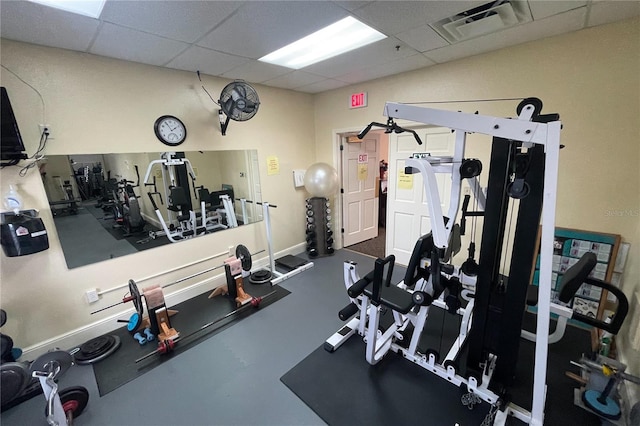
column 111, row 205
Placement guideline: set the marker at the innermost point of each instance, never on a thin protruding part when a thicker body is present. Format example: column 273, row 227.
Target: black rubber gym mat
column 343, row 389
column 121, row 367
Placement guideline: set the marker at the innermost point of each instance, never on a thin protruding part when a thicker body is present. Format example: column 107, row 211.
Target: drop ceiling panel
column 206, row 61
column 256, row 72
column 603, row 12
column 196, row 18
column 376, row 53
column 322, row 86
column 351, row 5
column 541, row 9
column 389, row 68
column 294, row 80
column 258, row 28
column 393, row 17
column 37, row 24
column 422, row 38
column 123, row 43
column 555, row 25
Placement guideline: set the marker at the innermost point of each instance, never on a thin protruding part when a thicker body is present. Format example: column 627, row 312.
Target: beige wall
column 100, row 105
column 590, row 77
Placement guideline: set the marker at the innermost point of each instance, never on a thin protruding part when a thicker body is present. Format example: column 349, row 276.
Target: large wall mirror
column 111, row 205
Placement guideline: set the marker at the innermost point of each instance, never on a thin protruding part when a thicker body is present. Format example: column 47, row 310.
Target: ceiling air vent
column 488, row 18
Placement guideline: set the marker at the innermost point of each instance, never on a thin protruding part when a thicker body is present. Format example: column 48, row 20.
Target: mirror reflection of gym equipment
column 111, row 205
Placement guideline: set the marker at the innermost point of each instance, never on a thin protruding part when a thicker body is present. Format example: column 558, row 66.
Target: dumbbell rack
column 319, row 235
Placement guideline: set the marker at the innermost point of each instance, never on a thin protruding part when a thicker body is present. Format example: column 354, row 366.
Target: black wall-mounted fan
column 239, row 102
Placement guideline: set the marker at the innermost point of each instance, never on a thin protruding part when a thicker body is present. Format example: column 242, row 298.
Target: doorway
column 363, row 170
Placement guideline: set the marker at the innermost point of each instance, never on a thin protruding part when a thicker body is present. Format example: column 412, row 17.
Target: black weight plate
column 244, row 255
column 57, row 358
column 97, row 345
column 82, row 358
column 535, row 102
column 14, row 377
column 6, row 344
column 3, row 317
column 260, row 277
column 137, row 299
column 74, row 399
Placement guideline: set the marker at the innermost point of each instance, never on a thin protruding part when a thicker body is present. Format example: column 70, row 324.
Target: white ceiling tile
column 124, row 43
column 37, row 24
column 376, row 53
column 180, row 20
column 604, row 12
column 541, row 9
column 322, row 86
column 294, row 79
column 390, row 68
column 259, row 28
column 206, row 61
column 554, row 25
column 256, row 72
column 422, row 38
column 351, row 4
column 393, row 17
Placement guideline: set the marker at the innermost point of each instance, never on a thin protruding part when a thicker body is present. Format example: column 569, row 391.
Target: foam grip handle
column 347, row 312
column 153, row 202
column 356, row 289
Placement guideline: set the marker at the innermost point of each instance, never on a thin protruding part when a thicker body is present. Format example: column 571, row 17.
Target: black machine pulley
column 96, row 349
column 470, row 167
column 244, row 255
column 518, row 189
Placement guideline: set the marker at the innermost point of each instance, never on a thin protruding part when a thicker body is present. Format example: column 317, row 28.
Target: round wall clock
column 170, row 130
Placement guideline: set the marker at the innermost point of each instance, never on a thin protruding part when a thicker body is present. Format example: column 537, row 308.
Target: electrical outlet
column 45, row 128
column 92, row 295
column 467, row 190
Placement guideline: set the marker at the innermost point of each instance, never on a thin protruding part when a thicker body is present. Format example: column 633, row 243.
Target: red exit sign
column 358, row 100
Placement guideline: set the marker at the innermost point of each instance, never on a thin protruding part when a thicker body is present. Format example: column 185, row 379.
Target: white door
column 360, row 170
column 407, row 211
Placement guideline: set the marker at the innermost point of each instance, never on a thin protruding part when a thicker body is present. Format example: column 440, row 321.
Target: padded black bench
column 572, row 279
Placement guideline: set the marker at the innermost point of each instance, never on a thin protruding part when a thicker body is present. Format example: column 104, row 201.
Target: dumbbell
column 142, row 340
column 150, row 336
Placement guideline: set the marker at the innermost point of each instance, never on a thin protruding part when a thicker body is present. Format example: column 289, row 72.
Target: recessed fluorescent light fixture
column 91, row 8
column 343, row 36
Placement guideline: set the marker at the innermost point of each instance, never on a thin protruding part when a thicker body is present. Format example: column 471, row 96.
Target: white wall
column 590, row 77
column 100, row 105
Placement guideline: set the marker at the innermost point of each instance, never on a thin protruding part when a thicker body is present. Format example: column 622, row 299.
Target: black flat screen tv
column 11, row 146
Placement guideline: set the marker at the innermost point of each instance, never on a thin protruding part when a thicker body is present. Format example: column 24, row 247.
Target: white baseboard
column 76, row 337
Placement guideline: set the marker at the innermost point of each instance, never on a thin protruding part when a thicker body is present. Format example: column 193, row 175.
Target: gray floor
column 231, row 378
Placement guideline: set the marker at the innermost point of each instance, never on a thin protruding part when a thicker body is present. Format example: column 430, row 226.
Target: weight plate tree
column 319, row 233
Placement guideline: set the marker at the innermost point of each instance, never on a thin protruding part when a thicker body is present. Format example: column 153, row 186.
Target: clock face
column 170, row 130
